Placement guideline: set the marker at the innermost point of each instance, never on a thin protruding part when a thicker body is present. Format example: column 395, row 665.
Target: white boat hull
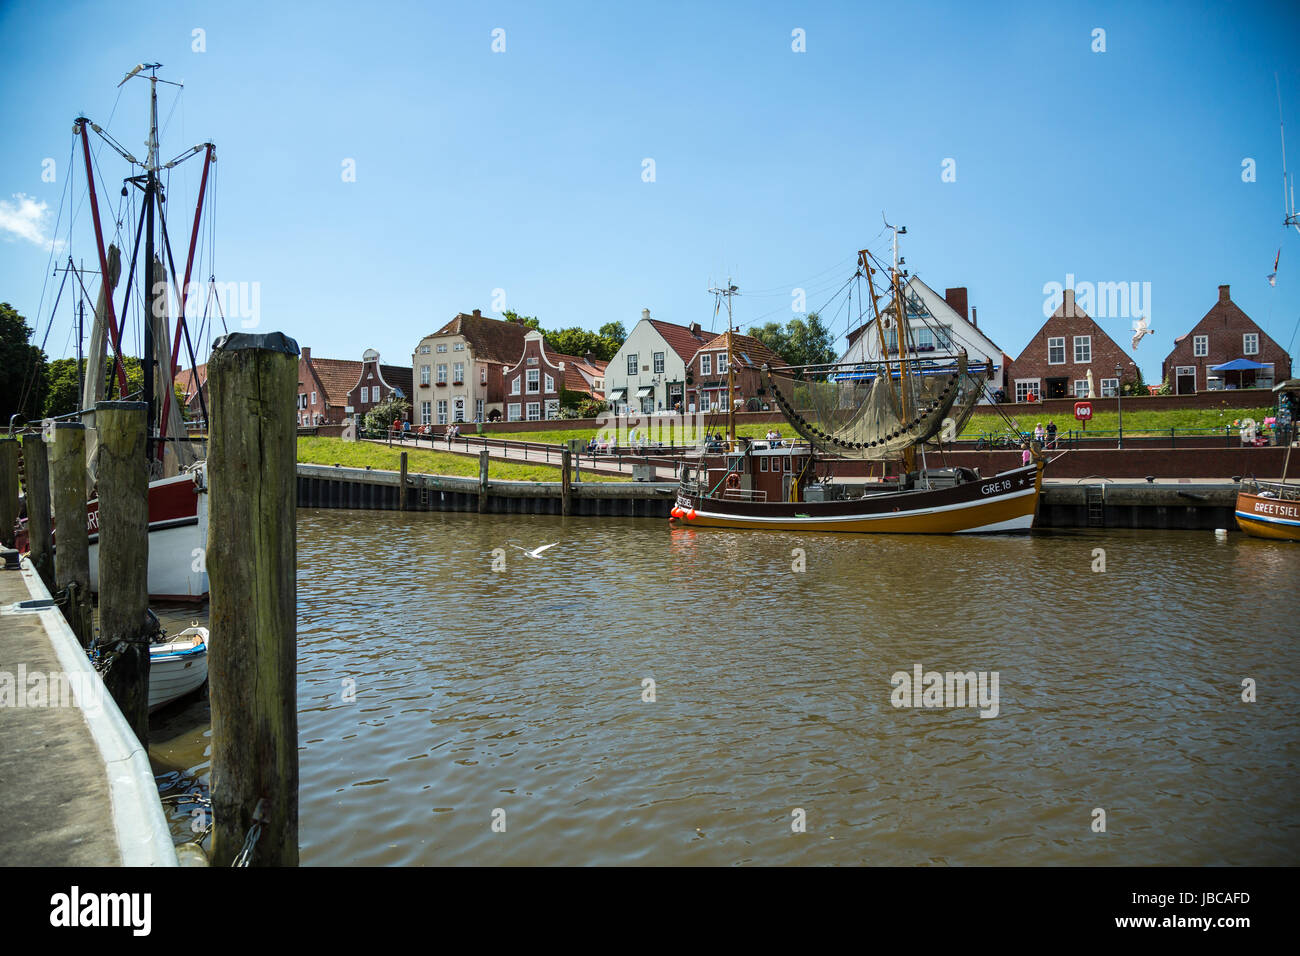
column 178, row 668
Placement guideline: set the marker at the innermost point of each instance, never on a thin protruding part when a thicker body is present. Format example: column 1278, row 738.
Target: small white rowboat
column 178, row 667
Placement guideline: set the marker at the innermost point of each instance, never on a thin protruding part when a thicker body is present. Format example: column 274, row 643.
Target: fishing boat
column 178, row 667
column 879, row 420
column 178, row 510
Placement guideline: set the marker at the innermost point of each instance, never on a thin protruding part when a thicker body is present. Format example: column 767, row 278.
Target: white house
column 648, row 373
column 940, row 327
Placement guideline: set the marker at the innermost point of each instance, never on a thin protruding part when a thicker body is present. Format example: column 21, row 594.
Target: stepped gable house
column 459, row 369
column 706, row 373
column 323, row 386
column 376, row 383
column 1225, row 333
column 532, row 385
column 1056, row 361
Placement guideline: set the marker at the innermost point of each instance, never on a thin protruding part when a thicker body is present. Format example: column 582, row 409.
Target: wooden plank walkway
column 55, row 806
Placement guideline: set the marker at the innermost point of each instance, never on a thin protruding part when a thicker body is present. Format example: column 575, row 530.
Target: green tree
column 614, row 331
column 382, row 416
column 774, row 336
column 800, row 341
column 22, row 368
column 524, row 320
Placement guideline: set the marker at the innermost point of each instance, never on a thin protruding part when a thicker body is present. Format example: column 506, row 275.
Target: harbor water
column 643, row 695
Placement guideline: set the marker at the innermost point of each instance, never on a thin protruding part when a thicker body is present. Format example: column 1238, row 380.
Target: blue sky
column 522, row 170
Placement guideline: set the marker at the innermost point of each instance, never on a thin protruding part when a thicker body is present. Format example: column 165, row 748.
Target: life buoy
column 733, row 481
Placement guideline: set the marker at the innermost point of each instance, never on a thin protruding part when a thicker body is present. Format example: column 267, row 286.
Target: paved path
column 55, row 808
column 603, row 464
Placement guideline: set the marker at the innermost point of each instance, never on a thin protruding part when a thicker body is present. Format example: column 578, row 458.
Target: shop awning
column 618, row 395
column 645, row 391
column 1237, row 365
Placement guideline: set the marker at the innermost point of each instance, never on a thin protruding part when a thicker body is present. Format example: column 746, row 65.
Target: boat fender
column 690, row 515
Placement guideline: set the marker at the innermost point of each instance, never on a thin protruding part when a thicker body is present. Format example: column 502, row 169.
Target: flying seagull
column 1140, row 329
column 537, row 552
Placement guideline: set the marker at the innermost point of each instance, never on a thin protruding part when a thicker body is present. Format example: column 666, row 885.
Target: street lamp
column 1119, row 402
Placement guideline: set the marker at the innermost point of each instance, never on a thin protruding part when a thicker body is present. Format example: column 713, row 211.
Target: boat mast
column 729, row 291
column 150, row 192
column 900, row 316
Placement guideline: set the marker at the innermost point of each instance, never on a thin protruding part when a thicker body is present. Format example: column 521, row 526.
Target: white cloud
column 26, row 218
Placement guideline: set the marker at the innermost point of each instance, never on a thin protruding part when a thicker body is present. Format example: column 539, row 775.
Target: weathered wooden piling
column 566, row 481
column 67, row 456
column 483, row 459
column 8, row 490
column 123, row 478
column 401, row 488
column 252, row 568
column 40, row 542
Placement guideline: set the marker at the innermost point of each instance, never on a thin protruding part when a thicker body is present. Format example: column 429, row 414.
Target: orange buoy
column 676, row 512
column 690, row 515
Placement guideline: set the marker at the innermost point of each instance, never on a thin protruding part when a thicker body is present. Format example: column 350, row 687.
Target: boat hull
column 176, row 670
column 1005, row 502
column 1266, row 517
column 178, row 537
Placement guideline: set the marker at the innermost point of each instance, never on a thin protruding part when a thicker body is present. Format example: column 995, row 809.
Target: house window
column 426, row 413
column 442, row 375
column 532, row 360
column 514, row 385
column 478, row 409
column 550, row 384
column 534, row 412
column 722, row 363
column 1083, row 349
column 424, row 374
column 1200, row 346
column 706, row 365
column 943, row 336
column 512, row 411
column 631, row 363
column 302, row 400
column 659, row 363
column 785, row 463
column 458, row 373
column 552, row 409
column 1056, row 351
column 442, row 348
column 704, row 402
column 458, row 347
column 482, row 374
column 424, row 350
column 313, row 398
column 442, row 411
column 1080, row 388
column 924, row 340
column 1109, row 387
column 1026, row 387
column 1250, row 343
column 533, row 378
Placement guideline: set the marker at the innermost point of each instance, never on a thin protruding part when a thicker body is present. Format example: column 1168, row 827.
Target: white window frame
column 478, row 409
column 1056, row 342
column 313, row 398
column 550, row 384
column 552, row 408
column 1084, row 343
column 442, row 411
column 426, row 373
column 442, row 348
column 458, row 373
column 426, row 413
column 512, row 412
column 424, row 350
column 706, row 365
column 1250, row 343
column 442, row 373
column 534, row 384
column 659, row 363
column 1034, row 385
column 722, row 363
column 482, row 374
column 514, row 385
column 1080, row 388
column 631, row 363
column 1109, row 387
column 458, row 347
column 1200, row 346
column 458, row 409
column 534, row 411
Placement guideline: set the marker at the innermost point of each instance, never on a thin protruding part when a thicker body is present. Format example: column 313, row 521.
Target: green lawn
column 335, row 451
column 561, row 436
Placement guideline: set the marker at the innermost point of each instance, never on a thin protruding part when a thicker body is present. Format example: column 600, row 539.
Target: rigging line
column 785, row 289
column 30, row 378
column 67, row 188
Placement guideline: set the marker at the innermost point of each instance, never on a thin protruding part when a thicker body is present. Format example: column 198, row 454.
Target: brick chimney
column 695, row 329
column 956, row 299
column 973, row 320
column 478, row 314
column 306, row 354
column 1067, row 303
column 1223, row 294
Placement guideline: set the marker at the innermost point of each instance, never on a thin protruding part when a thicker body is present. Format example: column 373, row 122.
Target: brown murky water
column 517, row 695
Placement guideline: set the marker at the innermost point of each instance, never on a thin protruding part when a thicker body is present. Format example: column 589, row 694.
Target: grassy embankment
column 335, row 451
column 1136, row 422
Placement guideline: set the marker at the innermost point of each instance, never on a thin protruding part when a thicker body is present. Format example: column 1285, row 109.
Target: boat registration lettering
column 1279, row 508
column 92, row 520
column 996, row 487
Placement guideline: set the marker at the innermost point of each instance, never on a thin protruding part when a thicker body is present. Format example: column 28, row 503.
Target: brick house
column 532, row 385
column 706, row 372
column 376, row 383
column 194, row 381
column 459, row 369
column 323, row 386
column 1225, row 333
column 1056, row 362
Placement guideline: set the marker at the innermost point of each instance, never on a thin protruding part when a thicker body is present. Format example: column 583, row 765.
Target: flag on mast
column 1272, row 278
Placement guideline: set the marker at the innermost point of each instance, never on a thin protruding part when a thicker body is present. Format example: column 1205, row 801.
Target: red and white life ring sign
column 1083, row 411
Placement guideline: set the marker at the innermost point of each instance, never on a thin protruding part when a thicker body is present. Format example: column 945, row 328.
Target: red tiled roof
column 742, row 345
column 186, row 376
column 491, row 340
column 681, row 339
column 574, row 380
column 336, row 378
column 398, row 376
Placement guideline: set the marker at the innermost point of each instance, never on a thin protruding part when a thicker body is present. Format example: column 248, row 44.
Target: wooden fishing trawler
column 1271, row 509
column 887, row 414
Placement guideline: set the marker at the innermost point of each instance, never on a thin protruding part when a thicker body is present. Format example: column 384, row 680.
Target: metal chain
column 245, row 856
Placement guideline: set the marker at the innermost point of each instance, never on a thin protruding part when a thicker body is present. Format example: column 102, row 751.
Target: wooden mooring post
column 252, row 571
column 401, row 488
column 36, row 467
column 123, row 477
column 67, row 455
column 8, row 490
column 566, row 481
column 483, row 459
